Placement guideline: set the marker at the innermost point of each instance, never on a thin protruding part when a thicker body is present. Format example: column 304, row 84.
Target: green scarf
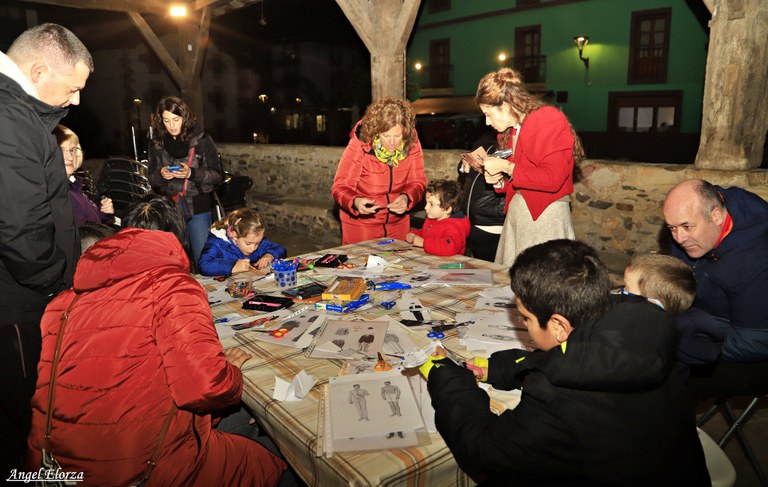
column 388, row 158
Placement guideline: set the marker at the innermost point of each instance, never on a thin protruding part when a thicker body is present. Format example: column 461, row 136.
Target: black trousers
column 19, row 354
column 482, row 244
column 726, row 379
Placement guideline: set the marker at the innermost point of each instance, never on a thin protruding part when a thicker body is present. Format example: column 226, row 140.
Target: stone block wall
column 616, row 205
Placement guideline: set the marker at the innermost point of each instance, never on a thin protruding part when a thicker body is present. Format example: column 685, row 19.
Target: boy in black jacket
column 602, row 403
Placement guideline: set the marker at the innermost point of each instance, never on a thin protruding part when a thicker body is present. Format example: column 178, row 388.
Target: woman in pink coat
column 140, row 346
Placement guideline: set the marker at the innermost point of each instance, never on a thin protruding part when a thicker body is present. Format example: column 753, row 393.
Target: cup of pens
column 285, row 272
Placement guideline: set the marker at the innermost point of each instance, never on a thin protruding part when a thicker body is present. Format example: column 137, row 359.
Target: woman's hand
column 107, row 207
column 241, row 265
column 365, row 206
column 496, row 168
column 237, row 357
column 264, row 261
column 183, row 172
column 399, row 205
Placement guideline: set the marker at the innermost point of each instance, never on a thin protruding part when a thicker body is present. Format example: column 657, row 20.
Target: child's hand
column 241, row 265
column 479, row 367
column 264, row 261
column 418, row 241
column 409, row 237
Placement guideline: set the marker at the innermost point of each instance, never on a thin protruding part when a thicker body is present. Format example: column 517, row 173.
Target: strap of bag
column 189, row 164
column 156, row 451
column 51, row 396
column 54, row 375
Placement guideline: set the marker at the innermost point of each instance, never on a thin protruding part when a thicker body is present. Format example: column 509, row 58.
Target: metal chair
column 125, row 181
column 233, row 192
column 734, row 429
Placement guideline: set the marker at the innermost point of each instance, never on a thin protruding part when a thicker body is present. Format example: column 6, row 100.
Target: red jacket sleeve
column 544, row 153
column 344, row 189
column 198, row 374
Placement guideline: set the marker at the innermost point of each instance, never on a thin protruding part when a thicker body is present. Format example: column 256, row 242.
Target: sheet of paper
column 294, row 390
column 495, row 298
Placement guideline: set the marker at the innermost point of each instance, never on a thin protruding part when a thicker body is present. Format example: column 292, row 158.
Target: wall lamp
column 582, row 41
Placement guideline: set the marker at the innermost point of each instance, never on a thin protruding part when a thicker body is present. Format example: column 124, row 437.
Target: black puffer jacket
column 206, row 172
column 39, row 246
column 607, row 408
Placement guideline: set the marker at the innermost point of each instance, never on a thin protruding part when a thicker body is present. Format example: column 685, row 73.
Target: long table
column 294, row 425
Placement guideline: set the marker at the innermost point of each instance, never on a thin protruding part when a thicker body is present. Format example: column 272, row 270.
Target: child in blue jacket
column 236, row 243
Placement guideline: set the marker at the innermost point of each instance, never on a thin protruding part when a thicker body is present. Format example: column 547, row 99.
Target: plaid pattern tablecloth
column 294, row 425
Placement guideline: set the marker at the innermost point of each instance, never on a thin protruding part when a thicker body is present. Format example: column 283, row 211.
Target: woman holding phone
column 184, row 163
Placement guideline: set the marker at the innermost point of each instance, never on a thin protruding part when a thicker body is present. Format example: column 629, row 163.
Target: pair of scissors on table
column 436, row 334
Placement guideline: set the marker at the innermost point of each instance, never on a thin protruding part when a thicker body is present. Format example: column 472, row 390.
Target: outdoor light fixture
column 502, row 57
column 582, row 41
column 417, row 66
column 178, row 11
column 262, row 20
column 263, row 98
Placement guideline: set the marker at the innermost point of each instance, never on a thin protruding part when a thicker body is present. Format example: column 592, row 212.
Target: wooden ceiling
column 157, row 7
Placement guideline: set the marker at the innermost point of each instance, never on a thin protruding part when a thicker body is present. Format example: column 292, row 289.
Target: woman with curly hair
column 538, row 177
column 184, row 163
column 381, row 173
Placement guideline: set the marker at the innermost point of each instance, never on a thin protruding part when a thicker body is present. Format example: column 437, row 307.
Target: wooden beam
column 202, row 44
column 144, row 6
column 406, row 19
column 710, row 4
column 157, row 46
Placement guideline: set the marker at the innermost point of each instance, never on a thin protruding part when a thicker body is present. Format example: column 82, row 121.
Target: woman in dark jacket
column 183, row 162
column 483, row 206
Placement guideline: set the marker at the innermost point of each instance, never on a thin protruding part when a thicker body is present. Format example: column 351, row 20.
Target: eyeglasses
column 73, row 151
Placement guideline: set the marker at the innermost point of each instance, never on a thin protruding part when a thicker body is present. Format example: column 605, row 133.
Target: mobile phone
column 174, row 168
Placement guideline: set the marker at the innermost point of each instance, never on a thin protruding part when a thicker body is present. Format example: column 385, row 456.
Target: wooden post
column 193, row 40
column 735, row 110
column 384, row 26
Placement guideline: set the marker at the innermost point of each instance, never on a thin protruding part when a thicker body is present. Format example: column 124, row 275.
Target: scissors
column 436, row 334
column 280, row 333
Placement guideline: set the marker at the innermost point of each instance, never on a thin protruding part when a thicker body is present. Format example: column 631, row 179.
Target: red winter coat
column 140, row 337
column 447, row 236
column 361, row 174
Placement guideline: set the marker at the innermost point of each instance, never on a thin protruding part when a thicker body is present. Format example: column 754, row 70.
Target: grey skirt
column 521, row 231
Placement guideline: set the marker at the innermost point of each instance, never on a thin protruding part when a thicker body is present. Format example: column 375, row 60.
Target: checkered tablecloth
column 294, row 425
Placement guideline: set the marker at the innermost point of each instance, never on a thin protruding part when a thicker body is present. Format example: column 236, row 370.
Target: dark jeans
column 19, row 354
column 238, row 421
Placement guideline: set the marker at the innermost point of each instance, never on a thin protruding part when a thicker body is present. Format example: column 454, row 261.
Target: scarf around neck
column 177, row 147
column 387, row 157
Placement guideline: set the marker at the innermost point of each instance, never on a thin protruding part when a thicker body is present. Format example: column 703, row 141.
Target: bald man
column 722, row 233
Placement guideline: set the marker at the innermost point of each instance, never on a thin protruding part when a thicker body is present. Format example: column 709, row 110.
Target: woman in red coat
column 538, row 177
column 140, row 346
column 381, row 173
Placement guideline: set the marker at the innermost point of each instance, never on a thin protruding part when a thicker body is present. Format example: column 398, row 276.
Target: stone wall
column 616, row 205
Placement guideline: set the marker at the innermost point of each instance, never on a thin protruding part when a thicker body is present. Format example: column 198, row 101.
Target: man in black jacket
column 40, row 76
column 602, row 402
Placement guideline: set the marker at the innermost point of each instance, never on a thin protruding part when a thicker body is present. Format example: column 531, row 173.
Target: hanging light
column 262, row 20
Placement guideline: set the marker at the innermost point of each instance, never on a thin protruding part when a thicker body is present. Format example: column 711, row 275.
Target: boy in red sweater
column 445, row 232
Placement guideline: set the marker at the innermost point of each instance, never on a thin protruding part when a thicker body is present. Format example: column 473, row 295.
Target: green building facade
column 638, row 97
